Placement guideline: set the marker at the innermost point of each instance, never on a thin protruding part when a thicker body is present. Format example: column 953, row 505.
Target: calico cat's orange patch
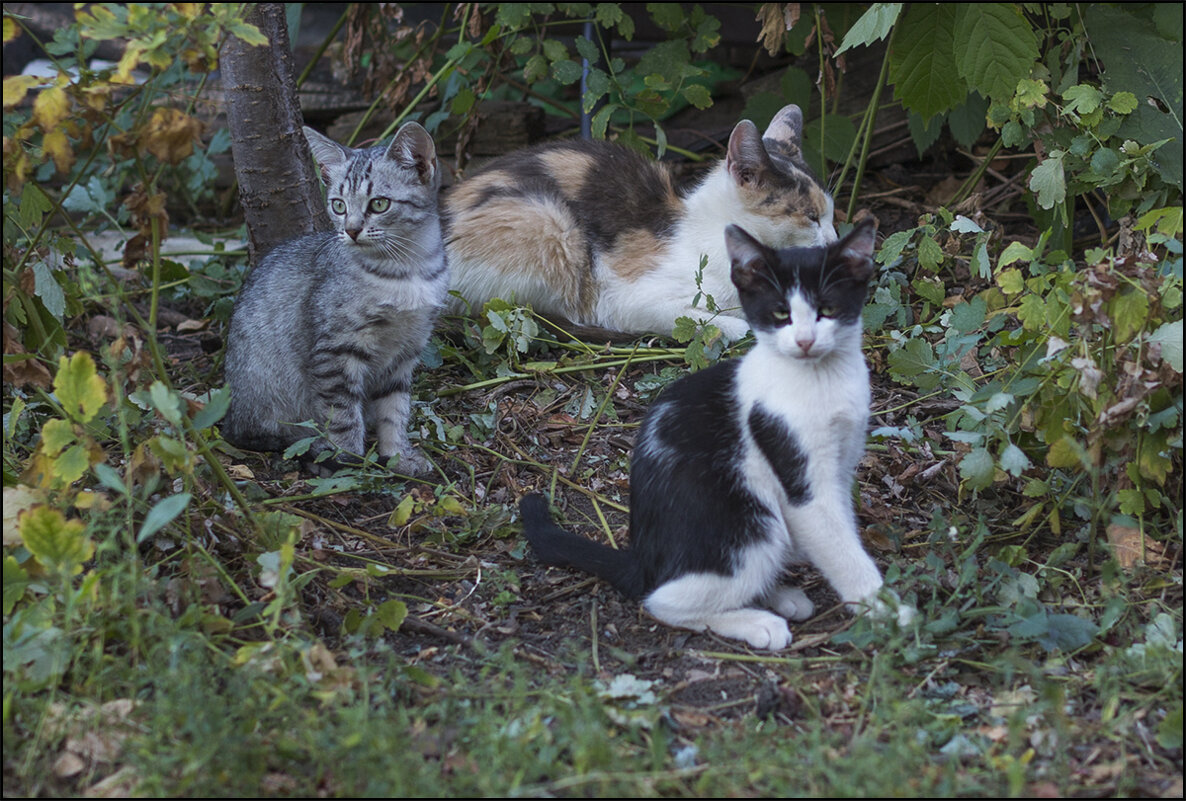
column 634, row 254
column 569, row 168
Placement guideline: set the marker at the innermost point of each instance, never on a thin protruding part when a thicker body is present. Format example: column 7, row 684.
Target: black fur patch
column 781, row 449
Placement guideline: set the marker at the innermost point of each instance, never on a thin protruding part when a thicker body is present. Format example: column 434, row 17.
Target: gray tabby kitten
column 329, row 327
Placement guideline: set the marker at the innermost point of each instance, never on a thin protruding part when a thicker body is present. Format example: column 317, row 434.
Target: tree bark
column 278, row 184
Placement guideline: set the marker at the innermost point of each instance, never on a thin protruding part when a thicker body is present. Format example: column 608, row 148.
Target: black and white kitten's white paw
column 790, row 602
column 761, row 629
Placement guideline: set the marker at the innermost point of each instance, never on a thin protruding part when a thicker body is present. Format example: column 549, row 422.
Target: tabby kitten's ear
column 746, row 159
column 854, row 253
column 749, row 258
column 413, row 148
column 329, row 154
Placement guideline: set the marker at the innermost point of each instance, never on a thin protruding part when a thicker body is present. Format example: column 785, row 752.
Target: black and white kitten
column 747, row 466
column 329, row 327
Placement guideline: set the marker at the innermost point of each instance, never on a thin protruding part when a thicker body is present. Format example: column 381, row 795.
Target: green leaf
column 995, row 47
column 162, row 514
column 1082, row 99
column 1015, row 251
column 215, row 409
column 536, row 68
column 699, row 96
column 566, row 71
column 930, row 254
column 1169, row 337
column 969, row 316
column 1123, row 103
column 1129, row 312
column 16, row 580
column 392, row 614
column 1169, row 731
column 923, row 65
column 166, row 401
column 47, row 288
column 977, row 468
column 1014, row 461
column 58, row 544
column 79, row 388
column 1048, row 179
column 873, row 26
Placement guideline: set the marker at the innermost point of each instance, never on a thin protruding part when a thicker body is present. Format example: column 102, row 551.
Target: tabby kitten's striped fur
column 595, row 233
column 329, row 327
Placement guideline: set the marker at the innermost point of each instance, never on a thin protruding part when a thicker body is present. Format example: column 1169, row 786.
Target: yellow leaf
column 51, row 107
column 11, row 29
column 170, row 135
column 16, row 87
column 128, row 62
column 57, row 146
column 56, row 435
column 402, row 513
column 1066, row 452
column 79, row 388
column 57, row 543
column 189, row 10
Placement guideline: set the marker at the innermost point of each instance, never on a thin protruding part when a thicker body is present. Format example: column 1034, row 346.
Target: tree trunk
column 278, row 184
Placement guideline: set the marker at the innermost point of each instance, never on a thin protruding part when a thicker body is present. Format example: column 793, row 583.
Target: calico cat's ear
column 784, row 134
column 414, row 148
column 747, row 159
column 748, row 259
column 854, row 253
column 329, row 154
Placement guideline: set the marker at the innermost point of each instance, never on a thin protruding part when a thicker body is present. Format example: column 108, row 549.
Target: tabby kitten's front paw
column 412, row 463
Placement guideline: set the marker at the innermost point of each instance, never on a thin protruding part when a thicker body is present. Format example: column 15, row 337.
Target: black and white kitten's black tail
column 553, row 545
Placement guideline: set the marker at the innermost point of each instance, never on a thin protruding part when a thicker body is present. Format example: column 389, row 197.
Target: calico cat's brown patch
column 569, row 168
column 634, row 254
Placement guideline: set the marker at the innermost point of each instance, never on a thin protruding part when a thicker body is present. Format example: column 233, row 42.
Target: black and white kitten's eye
column 828, row 311
column 379, row 205
column 782, row 314
column 338, row 206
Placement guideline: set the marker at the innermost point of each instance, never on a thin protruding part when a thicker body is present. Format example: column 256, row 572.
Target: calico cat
column 595, row 233
column 747, row 466
column 329, row 327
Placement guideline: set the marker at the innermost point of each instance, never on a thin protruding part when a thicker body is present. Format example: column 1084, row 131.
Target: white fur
column 821, row 531
column 653, row 301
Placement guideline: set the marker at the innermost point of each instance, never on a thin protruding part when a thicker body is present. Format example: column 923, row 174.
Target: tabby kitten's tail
column 555, row 546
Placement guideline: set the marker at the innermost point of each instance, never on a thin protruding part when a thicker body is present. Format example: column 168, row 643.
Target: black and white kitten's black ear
column 746, row 159
column 749, row 259
column 414, row 148
column 784, row 134
column 329, row 154
column 854, row 253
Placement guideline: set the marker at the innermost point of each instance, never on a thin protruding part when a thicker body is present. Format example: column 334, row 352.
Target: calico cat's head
column 378, row 195
column 785, row 204
column 807, row 301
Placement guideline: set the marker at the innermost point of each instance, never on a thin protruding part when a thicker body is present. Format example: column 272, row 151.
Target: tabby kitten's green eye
column 339, row 206
column 380, row 205
column 781, row 314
